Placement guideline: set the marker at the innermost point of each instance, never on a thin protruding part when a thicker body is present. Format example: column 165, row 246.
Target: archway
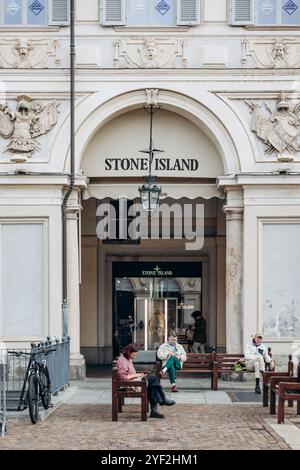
column 215, row 122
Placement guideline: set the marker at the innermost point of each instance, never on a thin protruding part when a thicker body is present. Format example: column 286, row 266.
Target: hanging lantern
column 150, row 193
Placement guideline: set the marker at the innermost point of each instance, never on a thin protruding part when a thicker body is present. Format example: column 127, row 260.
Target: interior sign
column 159, row 164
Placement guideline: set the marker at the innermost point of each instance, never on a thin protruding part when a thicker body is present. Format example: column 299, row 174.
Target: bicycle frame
column 33, row 367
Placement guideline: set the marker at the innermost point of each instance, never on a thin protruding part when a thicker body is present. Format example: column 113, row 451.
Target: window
column 266, row 12
column 34, row 12
column 150, row 13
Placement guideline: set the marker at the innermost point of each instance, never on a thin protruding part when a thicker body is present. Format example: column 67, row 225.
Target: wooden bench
column 122, row 389
column 225, row 363
column 267, row 376
column 196, row 363
column 287, row 389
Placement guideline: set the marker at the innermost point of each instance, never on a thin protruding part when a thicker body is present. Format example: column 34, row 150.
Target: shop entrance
column 152, row 299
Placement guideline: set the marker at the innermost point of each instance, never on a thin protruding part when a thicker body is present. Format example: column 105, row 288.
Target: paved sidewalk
column 205, row 420
column 190, row 391
column 197, row 427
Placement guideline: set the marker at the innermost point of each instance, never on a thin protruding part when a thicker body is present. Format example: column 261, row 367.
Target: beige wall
column 125, row 135
column 215, row 12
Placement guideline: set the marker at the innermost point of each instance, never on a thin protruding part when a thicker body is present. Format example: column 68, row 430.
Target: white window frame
column 255, row 16
column 123, row 22
column 24, row 17
column 24, row 24
column 278, row 16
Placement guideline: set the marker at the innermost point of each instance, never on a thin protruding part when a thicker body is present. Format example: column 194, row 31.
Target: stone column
column 77, row 360
column 234, row 279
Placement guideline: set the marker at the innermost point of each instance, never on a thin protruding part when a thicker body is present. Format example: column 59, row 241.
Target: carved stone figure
column 267, row 52
column 149, row 52
column 279, row 130
column 24, row 49
column 27, row 54
column 279, row 55
column 30, row 120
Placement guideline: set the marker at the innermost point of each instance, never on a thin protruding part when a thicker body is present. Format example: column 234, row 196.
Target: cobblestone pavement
column 202, row 426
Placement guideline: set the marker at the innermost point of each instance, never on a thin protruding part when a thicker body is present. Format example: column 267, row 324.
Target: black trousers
column 155, row 391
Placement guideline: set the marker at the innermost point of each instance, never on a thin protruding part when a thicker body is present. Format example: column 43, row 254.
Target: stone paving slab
column 288, row 431
column 200, row 426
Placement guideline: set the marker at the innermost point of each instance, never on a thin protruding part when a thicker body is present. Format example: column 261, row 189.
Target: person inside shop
column 126, row 371
column 189, row 334
column 172, row 355
column 200, row 338
column 256, row 358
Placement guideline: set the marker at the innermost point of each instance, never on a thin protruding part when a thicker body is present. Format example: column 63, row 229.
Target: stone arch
column 211, row 114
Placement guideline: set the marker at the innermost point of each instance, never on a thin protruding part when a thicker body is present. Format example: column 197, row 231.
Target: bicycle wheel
column 33, row 398
column 45, row 387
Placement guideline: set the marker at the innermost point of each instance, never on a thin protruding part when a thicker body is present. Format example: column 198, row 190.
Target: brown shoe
column 174, row 389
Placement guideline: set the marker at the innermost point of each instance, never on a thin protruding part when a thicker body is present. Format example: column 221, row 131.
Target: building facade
column 223, row 79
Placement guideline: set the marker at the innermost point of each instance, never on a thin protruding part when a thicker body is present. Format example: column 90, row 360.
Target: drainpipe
column 72, row 168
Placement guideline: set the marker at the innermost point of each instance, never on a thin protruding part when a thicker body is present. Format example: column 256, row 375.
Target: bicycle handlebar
column 23, row 353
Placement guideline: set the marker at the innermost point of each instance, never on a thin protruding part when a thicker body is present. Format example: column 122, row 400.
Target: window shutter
column 59, row 12
column 188, row 12
column 242, row 12
column 113, row 12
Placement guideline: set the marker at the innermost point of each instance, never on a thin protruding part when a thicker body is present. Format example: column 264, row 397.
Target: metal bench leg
column 298, row 407
column 290, row 403
column 280, row 410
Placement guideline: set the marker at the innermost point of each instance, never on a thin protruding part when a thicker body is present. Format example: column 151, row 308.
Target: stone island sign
column 157, row 271
column 159, row 164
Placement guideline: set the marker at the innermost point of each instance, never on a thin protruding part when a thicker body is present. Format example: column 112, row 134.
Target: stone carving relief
column 27, row 54
column 272, row 53
column 152, row 96
column 30, row 120
column 149, row 53
column 279, row 130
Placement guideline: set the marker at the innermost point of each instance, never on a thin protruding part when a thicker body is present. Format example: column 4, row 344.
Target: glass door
column 153, row 319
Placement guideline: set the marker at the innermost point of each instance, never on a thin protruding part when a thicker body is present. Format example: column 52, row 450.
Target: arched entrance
column 134, row 295
column 206, row 117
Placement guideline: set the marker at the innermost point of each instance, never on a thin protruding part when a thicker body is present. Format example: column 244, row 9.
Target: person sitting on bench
column 256, row 356
column 126, row 371
column 172, row 356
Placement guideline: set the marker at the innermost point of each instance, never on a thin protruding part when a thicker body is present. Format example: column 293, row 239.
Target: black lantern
column 150, row 191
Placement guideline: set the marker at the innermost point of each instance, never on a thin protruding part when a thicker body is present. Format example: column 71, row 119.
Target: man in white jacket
column 172, row 356
column 256, row 356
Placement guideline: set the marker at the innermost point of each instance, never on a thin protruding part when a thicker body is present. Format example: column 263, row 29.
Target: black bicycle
column 36, row 382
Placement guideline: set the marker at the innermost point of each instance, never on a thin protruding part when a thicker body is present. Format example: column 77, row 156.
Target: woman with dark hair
column 126, row 371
